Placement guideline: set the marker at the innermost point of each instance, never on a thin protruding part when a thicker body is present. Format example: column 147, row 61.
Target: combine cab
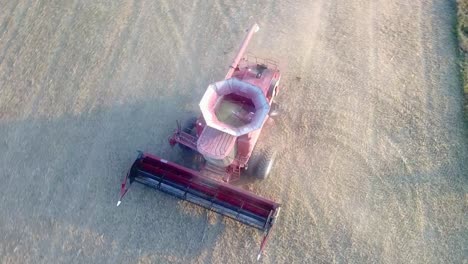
column 233, row 113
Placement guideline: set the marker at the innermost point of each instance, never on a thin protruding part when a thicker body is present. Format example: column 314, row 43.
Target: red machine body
column 233, row 113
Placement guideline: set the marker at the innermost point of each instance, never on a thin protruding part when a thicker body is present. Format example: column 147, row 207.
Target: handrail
column 241, row 51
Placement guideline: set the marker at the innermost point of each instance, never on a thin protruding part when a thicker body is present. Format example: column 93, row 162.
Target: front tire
column 189, row 127
column 274, row 110
column 273, row 90
column 261, row 163
column 265, row 164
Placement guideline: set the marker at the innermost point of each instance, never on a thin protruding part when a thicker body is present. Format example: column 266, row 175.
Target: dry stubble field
column 374, row 151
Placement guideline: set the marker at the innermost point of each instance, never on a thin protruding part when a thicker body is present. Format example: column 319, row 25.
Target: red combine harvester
column 233, row 113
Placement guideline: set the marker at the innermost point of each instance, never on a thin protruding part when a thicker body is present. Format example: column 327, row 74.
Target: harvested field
column 374, row 149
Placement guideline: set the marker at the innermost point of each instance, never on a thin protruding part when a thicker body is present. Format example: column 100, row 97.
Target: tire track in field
column 383, row 100
column 21, row 129
column 52, row 62
column 174, row 29
column 343, row 129
column 222, row 9
column 189, row 46
column 7, row 68
column 73, row 181
column 128, row 19
column 345, row 118
column 407, row 121
column 101, row 70
column 7, row 17
column 22, row 18
column 121, row 38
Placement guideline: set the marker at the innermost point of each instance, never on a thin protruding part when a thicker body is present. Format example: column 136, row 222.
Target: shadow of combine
column 62, row 177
